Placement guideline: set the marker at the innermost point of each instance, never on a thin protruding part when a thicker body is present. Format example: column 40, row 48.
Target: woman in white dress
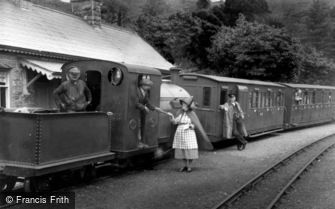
column 185, row 139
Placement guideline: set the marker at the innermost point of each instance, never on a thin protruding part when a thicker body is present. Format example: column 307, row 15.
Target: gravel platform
column 215, row 175
column 316, row 188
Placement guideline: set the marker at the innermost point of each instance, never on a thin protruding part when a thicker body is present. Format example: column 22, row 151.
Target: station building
column 36, row 41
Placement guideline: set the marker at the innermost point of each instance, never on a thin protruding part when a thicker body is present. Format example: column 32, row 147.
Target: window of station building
column 206, row 102
column 3, row 89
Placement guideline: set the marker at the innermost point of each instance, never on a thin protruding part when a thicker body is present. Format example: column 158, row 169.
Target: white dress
column 185, row 140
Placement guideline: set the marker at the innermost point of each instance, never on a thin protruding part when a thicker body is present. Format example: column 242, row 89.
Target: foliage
column 155, row 7
column 316, row 23
column 313, row 22
column 115, row 11
column 255, row 51
column 155, row 30
column 315, row 68
column 249, row 8
column 203, row 4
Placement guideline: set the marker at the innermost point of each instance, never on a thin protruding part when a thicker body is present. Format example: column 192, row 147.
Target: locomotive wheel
column 7, row 183
column 36, row 184
column 89, row 173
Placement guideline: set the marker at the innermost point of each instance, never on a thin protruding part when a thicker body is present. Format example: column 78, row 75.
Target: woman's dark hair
column 188, row 106
column 231, row 95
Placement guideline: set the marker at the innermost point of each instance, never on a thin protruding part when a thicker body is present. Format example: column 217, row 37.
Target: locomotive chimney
column 89, row 10
column 175, row 74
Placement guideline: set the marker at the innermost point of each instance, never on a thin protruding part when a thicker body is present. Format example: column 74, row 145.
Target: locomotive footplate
column 23, row 170
column 123, row 154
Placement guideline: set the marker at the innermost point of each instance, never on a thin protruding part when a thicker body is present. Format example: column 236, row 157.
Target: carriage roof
column 308, row 86
column 222, row 79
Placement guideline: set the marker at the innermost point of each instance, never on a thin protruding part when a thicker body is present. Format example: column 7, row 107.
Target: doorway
column 93, row 82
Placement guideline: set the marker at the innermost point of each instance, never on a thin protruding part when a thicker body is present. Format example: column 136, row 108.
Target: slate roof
column 48, row 31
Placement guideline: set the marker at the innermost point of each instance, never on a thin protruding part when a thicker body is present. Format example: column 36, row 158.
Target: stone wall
column 18, row 96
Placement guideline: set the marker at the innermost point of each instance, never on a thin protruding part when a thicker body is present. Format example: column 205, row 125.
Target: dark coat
column 74, row 95
column 143, row 101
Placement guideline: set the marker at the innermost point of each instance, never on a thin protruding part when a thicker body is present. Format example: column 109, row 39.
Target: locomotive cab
column 114, row 90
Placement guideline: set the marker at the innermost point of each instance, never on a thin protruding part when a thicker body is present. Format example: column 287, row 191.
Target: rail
column 244, row 189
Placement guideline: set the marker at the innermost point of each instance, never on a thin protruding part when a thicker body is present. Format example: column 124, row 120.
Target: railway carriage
column 261, row 101
column 308, row 104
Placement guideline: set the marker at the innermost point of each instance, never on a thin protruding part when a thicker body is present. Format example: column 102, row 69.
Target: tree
column 249, row 8
column 317, row 24
column 155, row 30
column 115, row 11
column 255, row 51
column 315, row 68
column 203, row 4
column 155, row 8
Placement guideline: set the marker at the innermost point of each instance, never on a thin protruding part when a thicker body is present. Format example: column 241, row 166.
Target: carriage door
column 242, row 97
column 222, row 127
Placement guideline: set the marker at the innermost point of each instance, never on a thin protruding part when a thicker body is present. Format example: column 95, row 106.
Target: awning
column 4, row 66
column 52, row 70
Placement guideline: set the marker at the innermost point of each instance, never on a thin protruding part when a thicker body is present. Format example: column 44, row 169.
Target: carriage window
column 223, row 96
column 255, row 96
column 269, row 98
column 263, row 99
column 325, row 97
column 313, row 97
column 250, row 100
column 206, row 96
column 329, row 97
column 279, row 99
column 305, row 97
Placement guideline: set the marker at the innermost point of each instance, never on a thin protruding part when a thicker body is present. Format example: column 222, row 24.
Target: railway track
column 266, row 189
column 102, row 176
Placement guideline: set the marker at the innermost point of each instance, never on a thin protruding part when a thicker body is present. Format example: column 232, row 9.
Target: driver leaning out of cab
column 73, row 95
